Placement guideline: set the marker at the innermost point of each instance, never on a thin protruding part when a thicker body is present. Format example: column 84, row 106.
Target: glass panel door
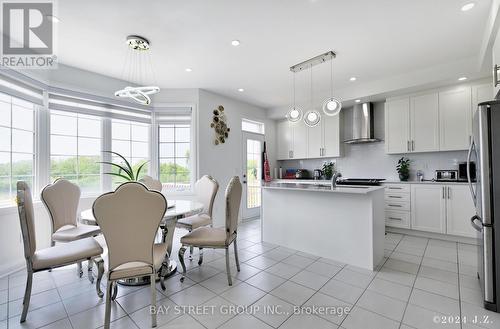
column 252, row 175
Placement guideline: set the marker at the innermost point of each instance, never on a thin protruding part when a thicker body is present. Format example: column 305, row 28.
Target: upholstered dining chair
column 61, row 200
column 151, row 183
column 129, row 219
column 205, row 190
column 209, row 237
column 52, row 257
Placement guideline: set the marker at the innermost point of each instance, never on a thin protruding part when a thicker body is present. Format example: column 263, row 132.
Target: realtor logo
column 28, row 35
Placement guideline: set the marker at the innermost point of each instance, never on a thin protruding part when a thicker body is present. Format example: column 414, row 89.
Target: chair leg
column 236, row 256
column 182, row 250
column 107, row 314
column 90, row 275
column 228, row 269
column 27, row 296
column 153, row 300
column 115, row 291
column 100, row 272
column 52, row 243
column 200, row 260
column 79, row 270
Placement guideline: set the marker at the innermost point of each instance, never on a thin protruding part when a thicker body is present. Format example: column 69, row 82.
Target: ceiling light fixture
column 357, row 100
column 468, row 6
column 138, row 67
column 295, row 113
column 189, row 70
column 235, row 43
column 241, row 90
column 462, row 78
column 332, row 105
column 352, row 79
column 312, row 117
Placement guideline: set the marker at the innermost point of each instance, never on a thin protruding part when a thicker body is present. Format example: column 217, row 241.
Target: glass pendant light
column 312, row 117
column 332, row 105
column 295, row 113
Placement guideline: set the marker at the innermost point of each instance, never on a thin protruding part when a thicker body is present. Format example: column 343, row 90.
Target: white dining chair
column 151, row 183
column 61, row 200
column 218, row 238
column 129, row 219
column 54, row 256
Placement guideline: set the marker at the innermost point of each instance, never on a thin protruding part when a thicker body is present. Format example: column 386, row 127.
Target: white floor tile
column 94, row 317
column 272, row 310
column 278, row 255
column 390, row 289
column 243, row 294
column 261, row 262
column 361, row 319
column 437, row 287
column 339, row 306
column 489, row 319
column 123, row 323
column 194, row 295
column 245, row 321
column 299, row 261
column 202, row 273
column 37, row 301
column 246, row 272
column 167, row 311
column 422, row 318
column 383, row 305
column 322, row 268
column 283, row 270
column 472, row 296
column 218, row 283
column 219, row 313
column 439, row 275
column 406, row 257
column 310, row 279
column 307, row 321
column 137, row 300
column 183, row 322
column 40, row 317
column 434, row 302
column 354, row 278
column 402, row 266
column 440, row 264
column 174, row 284
column 265, row 281
column 342, row 291
column 293, row 293
column 403, row 278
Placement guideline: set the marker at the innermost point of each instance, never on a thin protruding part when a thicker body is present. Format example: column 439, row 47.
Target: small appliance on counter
column 317, row 174
column 420, row 176
column 446, row 175
column 462, row 171
column 290, row 174
column 302, row 174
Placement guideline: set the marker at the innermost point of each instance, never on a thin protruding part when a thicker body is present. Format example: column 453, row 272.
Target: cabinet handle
column 395, row 218
column 495, row 75
column 394, row 197
column 395, row 205
column 408, row 146
column 444, row 193
column 413, row 145
column 449, row 192
column 395, row 188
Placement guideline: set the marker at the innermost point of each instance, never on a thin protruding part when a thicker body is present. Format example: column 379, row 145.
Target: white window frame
column 262, row 124
column 163, row 108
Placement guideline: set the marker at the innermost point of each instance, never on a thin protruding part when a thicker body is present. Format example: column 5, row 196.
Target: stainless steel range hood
column 362, row 124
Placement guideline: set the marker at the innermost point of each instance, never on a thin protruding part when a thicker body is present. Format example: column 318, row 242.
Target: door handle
column 469, row 180
column 474, row 225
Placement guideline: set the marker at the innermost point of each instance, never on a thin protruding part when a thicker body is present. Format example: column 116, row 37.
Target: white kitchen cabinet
column 331, row 136
column 428, row 208
column 300, row 140
column 397, row 125
column 284, row 140
column 459, row 210
column 424, row 123
column 315, row 141
column 481, row 93
column 496, row 61
column 455, row 124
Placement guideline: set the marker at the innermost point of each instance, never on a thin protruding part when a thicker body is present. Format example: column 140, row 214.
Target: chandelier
column 138, row 62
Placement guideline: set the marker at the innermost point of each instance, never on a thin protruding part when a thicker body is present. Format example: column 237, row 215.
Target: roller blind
column 173, row 115
column 20, row 89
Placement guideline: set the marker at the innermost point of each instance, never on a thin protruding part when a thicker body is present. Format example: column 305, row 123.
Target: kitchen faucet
column 334, row 179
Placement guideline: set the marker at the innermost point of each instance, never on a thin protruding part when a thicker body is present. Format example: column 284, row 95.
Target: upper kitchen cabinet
column 455, row 124
column 284, row 137
column 315, row 140
column 424, row 126
column 397, row 126
column 496, row 65
column 300, row 140
column 331, row 136
column 481, row 93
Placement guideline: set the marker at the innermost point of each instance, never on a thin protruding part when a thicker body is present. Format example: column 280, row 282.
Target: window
column 17, row 156
column 75, row 149
column 175, row 165
column 130, row 139
column 252, row 126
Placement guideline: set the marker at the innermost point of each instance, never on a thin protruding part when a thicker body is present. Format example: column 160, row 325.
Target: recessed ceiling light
column 241, row 90
column 358, row 100
column 352, row 79
column 462, row 78
column 468, row 6
column 189, row 70
column 53, row 18
column 235, row 42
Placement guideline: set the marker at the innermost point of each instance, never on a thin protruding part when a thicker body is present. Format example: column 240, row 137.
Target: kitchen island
column 344, row 223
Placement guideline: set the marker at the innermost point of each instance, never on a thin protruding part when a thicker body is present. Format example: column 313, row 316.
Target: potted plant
column 125, row 170
column 327, row 169
column 403, row 169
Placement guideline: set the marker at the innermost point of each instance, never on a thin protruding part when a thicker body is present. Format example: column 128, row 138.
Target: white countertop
column 389, row 181
column 324, row 186
column 424, row 182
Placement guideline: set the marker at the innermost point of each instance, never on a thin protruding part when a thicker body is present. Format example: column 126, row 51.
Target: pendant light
column 332, row 105
column 138, row 48
column 312, row 117
column 295, row 113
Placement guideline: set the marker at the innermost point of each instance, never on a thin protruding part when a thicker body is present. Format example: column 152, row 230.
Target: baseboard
column 432, row 235
column 7, row 269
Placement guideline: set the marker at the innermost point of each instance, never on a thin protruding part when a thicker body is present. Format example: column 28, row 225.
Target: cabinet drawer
column 397, row 218
column 397, row 205
column 399, row 188
column 399, row 197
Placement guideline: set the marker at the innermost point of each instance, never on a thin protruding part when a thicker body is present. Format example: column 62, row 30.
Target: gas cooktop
column 360, row 181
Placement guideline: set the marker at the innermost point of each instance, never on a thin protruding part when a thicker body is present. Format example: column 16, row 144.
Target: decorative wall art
column 219, row 123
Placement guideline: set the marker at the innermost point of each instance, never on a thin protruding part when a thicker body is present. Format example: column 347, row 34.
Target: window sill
column 11, row 209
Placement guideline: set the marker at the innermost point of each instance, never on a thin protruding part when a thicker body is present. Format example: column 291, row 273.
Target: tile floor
column 419, row 279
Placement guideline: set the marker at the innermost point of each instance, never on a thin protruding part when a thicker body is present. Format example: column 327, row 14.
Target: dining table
column 176, row 209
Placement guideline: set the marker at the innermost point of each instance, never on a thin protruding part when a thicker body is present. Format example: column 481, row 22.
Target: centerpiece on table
column 125, row 170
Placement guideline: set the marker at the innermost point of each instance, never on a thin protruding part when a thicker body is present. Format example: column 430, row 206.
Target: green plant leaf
column 130, row 170
column 121, row 168
column 139, row 169
column 127, row 179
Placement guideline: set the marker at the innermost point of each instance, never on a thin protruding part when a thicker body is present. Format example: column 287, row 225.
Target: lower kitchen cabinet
column 459, row 210
column 428, row 208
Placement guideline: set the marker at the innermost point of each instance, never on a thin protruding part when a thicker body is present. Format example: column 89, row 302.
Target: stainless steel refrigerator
column 485, row 151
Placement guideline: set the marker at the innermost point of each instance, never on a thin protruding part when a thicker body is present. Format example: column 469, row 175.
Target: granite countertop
column 321, row 187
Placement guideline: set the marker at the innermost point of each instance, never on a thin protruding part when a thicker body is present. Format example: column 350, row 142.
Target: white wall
column 224, row 161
